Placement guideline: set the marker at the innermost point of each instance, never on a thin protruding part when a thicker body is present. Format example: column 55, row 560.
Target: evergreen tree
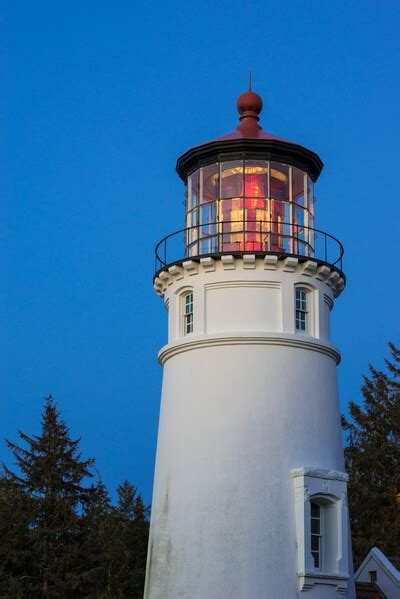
column 372, row 459
column 60, row 538
column 134, row 526
column 49, row 483
column 15, row 543
column 101, row 547
column 116, row 544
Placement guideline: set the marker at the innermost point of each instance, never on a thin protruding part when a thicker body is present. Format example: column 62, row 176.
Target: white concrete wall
column 245, row 400
column 225, row 303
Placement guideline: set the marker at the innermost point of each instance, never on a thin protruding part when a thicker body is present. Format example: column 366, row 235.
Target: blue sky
column 98, row 101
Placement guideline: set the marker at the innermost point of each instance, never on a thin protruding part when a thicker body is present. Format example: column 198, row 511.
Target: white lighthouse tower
column 249, row 496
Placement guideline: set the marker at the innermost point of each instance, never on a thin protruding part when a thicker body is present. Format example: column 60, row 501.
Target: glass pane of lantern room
column 255, row 203
column 232, row 214
column 193, row 189
column 192, row 232
column 210, row 190
column 192, row 218
column 310, row 195
column 300, row 236
column 298, row 186
column 213, row 227
column 256, row 178
column 280, row 236
column 232, row 179
column 310, row 213
column 232, row 225
column 279, row 181
column 206, row 228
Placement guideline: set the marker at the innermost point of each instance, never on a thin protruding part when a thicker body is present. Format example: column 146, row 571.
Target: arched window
column 324, row 528
column 187, row 313
column 302, row 310
column 321, row 527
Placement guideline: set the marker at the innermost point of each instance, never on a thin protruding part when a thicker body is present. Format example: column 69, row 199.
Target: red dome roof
column 249, row 137
column 249, row 105
column 253, row 133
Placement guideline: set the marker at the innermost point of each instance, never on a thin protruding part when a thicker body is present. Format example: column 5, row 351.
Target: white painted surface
column 388, row 577
column 230, row 299
column 245, row 401
column 238, row 296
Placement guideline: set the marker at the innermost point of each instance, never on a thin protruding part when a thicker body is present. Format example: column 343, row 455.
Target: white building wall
column 387, row 576
column 245, row 401
column 239, row 296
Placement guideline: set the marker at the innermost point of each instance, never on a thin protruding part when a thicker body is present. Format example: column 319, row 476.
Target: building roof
column 389, row 565
column 387, row 574
column 251, row 141
column 368, row 590
column 395, row 561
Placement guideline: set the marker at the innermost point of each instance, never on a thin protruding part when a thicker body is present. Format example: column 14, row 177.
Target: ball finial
column 249, row 104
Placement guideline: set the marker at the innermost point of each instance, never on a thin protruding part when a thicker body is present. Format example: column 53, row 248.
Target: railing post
column 306, row 240
column 298, row 239
column 295, row 240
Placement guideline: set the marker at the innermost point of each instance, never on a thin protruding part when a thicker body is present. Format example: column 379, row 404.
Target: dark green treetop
column 50, row 478
column 372, row 458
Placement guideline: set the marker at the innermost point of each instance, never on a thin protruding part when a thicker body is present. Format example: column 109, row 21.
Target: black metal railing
column 241, row 237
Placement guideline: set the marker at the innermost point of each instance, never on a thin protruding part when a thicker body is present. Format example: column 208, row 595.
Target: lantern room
column 247, row 205
column 249, row 192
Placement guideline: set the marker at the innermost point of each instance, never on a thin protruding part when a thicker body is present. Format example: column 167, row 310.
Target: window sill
column 310, row 579
column 304, row 334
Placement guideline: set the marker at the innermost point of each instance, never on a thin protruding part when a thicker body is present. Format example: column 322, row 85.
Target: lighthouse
column 250, row 493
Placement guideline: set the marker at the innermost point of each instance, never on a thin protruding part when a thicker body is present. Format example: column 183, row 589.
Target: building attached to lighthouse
column 250, row 493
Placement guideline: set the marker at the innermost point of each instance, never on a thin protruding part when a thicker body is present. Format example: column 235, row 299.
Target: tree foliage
column 372, row 459
column 59, row 536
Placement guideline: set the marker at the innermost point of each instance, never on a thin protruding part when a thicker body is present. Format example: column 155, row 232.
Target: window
column 301, row 310
column 322, row 529
column 373, row 577
column 316, row 536
column 188, row 314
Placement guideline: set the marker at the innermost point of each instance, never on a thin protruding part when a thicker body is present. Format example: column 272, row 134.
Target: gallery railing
column 255, row 237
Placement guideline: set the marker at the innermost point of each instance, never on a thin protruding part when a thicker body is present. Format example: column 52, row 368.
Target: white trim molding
column 328, row 488
column 310, row 268
column 283, row 339
column 321, row 473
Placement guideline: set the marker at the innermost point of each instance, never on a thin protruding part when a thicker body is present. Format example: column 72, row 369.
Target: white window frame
column 187, row 310
column 327, row 488
column 302, row 299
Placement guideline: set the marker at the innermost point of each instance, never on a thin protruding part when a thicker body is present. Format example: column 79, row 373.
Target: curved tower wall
column 249, row 427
